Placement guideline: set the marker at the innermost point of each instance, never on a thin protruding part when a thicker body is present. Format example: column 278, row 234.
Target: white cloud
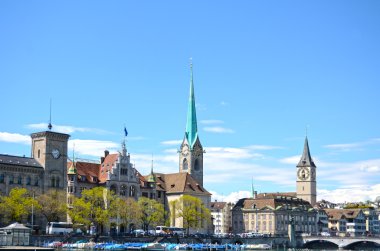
column 171, row 142
column 92, row 147
column 350, row 194
column 218, row 129
column 293, row 160
column 344, row 147
column 15, row 138
column 223, row 103
column 232, row 197
column 263, row 147
column 340, row 195
column 352, row 146
column 228, row 153
column 67, row 129
column 211, row 122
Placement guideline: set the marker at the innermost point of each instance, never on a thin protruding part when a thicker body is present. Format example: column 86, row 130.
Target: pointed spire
column 306, row 159
column 50, row 126
column 191, row 124
column 72, row 168
column 152, row 177
column 253, row 190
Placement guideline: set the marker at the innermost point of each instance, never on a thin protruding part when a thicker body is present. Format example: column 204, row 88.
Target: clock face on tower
column 303, row 174
column 56, row 154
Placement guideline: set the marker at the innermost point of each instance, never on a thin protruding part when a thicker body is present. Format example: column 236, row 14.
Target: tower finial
column 50, row 126
column 253, row 189
column 151, row 170
column 73, row 152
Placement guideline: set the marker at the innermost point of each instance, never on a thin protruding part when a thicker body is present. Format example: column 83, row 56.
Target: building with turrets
column 114, row 172
column 306, row 176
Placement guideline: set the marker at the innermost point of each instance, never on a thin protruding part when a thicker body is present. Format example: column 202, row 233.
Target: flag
column 125, row 131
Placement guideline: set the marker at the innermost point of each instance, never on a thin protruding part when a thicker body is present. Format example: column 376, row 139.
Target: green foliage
column 17, row 205
column 53, row 205
column 126, row 210
column 359, row 205
column 152, row 212
column 192, row 211
column 92, row 207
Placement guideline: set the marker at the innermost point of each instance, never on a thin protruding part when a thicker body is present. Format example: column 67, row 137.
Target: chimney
column 106, row 152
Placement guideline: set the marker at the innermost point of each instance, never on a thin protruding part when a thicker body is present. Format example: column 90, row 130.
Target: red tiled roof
column 89, row 170
column 106, row 166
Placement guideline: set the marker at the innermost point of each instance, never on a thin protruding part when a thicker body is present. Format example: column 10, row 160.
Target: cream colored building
column 222, row 217
column 272, row 213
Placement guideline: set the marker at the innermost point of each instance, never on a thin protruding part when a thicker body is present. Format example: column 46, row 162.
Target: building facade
column 221, row 213
column 272, row 213
column 346, row 222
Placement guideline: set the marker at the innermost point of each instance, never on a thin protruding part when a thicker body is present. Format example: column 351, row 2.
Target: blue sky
column 263, row 72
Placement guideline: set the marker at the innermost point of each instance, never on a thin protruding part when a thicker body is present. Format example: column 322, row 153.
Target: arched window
column 123, row 190
column 28, row 181
column 39, row 153
column 196, row 165
column 2, row 176
column 57, row 182
column 132, row 191
column 53, row 181
column 19, row 180
column 36, row 181
column 185, row 164
column 11, row 179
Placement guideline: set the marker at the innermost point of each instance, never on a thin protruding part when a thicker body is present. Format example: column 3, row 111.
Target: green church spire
column 191, row 124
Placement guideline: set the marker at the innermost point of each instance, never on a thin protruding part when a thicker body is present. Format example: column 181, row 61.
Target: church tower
column 306, row 177
column 191, row 150
column 50, row 150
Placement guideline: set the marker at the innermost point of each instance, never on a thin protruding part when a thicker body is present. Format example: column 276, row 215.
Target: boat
column 154, row 246
column 256, row 247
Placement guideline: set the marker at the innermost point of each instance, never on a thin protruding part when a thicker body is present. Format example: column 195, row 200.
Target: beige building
column 272, row 213
column 346, row 222
column 221, row 213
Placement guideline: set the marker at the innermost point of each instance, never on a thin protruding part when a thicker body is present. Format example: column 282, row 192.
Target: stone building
column 114, row 172
column 271, row 214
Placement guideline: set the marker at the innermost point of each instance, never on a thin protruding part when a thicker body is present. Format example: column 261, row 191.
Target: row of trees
column 99, row 207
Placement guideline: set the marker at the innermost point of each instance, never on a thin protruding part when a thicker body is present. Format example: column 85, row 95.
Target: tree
column 53, row 205
column 93, row 207
column 192, row 211
column 126, row 211
column 152, row 212
column 17, row 205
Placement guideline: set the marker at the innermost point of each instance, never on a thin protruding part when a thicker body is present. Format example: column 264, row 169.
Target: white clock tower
column 306, row 177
